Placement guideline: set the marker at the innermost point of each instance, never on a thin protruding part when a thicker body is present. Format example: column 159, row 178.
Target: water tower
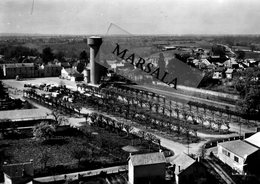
column 94, row 43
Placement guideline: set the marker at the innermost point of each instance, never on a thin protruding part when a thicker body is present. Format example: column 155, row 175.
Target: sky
column 135, row 16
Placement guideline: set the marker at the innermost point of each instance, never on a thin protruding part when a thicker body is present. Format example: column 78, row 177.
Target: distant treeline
column 16, row 51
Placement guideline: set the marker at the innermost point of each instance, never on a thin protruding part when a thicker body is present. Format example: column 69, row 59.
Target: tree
column 240, row 54
column 10, row 52
column 120, row 126
column 150, row 138
column 93, row 117
column 47, row 55
column 218, row 50
column 60, row 56
column 78, row 152
column 58, row 118
column 43, row 131
column 248, row 86
column 202, row 152
column 4, row 123
column 141, row 134
column 128, row 129
column 3, row 91
column 80, row 67
column 84, row 57
column 78, row 107
column 44, row 158
column 252, row 47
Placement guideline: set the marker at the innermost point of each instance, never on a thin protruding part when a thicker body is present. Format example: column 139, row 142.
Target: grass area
column 102, row 149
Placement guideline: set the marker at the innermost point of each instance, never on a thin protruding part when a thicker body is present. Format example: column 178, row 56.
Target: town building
column 71, row 74
column 218, row 73
column 21, row 173
column 254, row 139
column 229, row 73
column 181, row 163
column 147, row 168
column 51, row 70
column 10, row 71
column 29, row 70
column 240, row 155
column 187, row 170
column 231, row 63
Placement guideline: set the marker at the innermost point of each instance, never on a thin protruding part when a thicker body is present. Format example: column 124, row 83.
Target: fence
column 215, row 142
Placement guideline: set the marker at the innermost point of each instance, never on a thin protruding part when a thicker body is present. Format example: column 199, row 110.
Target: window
column 236, row 159
column 225, row 152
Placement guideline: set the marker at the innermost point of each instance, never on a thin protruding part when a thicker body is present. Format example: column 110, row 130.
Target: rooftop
column 254, row 139
column 239, row 148
column 148, row 159
column 18, row 170
column 229, row 70
column 16, row 65
column 183, row 161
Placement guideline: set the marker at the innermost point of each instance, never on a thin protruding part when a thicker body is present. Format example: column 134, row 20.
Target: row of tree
column 47, row 54
column 248, row 86
column 113, row 125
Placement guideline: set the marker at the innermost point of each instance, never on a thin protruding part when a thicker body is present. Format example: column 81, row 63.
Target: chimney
column 94, row 43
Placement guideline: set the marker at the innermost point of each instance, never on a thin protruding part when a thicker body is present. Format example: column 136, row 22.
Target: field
column 58, row 154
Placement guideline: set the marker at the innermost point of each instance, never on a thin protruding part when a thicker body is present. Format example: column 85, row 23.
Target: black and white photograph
column 130, row 92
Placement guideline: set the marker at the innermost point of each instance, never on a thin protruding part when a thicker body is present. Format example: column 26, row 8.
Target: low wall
column 77, row 175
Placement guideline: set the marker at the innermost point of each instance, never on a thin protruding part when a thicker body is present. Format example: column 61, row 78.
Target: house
column 21, row 173
column 215, row 59
column 229, row 73
column 181, row 163
column 10, row 71
column 147, row 168
column 190, row 171
column 64, row 64
column 231, row 63
column 206, row 62
column 254, row 139
column 51, row 70
column 241, row 156
column 251, row 62
column 71, row 74
column 218, row 74
column 195, row 62
column 30, row 70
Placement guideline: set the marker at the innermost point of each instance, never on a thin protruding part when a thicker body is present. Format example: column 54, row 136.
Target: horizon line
column 130, row 35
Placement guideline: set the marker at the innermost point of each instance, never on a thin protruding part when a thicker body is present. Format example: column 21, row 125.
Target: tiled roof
column 73, row 72
column 18, row 170
column 148, row 159
column 254, row 139
column 16, row 65
column 229, row 70
column 182, row 162
column 240, row 148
